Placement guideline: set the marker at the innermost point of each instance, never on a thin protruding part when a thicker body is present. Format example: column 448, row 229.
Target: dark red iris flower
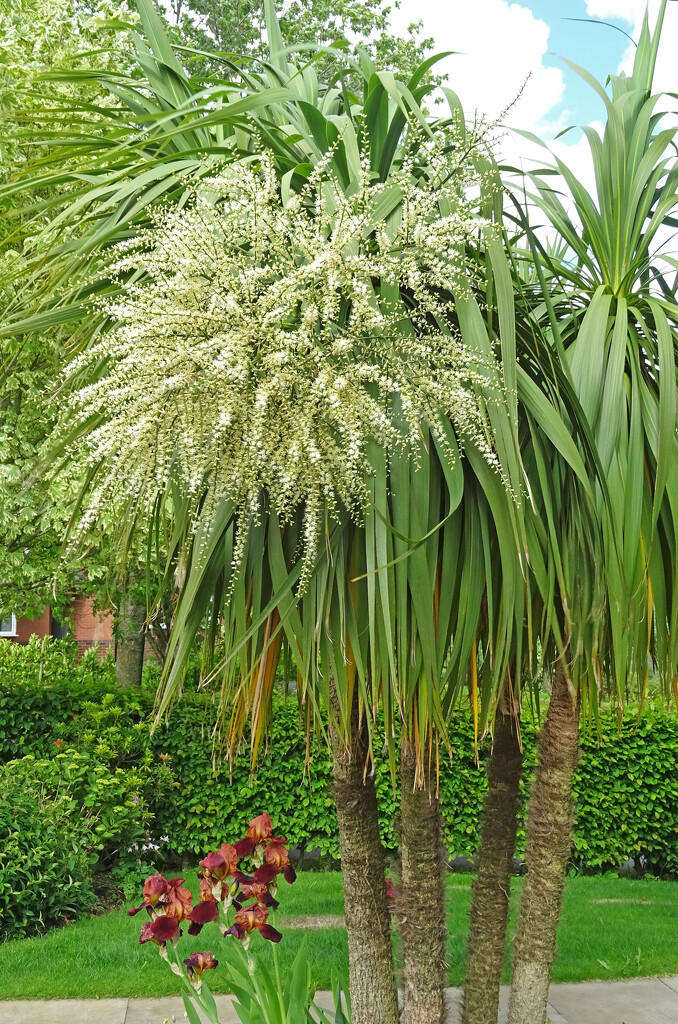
column 177, row 901
column 220, row 864
column 254, row 918
column 212, row 892
column 155, row 886
column 202, row 914
column 289, row 874
column 196, row 963
column 172, row 898
column 277, row 855
column 261, row 829
column 265, row 874
column 242, row 878
column 259, row 892
column 245, row 847
column 159, row 931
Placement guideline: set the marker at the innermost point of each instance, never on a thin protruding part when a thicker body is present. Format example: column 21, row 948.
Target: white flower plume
column 264, row 345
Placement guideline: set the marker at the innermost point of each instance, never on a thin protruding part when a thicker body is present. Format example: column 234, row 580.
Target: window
column 8, row 626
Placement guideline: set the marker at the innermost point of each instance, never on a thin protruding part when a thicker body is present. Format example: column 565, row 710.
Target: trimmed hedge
column 42, row 685
column 626, row 786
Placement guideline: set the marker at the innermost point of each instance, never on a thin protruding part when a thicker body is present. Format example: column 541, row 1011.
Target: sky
column 500, row 46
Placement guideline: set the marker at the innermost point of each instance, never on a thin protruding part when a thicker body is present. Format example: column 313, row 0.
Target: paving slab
column 642, row 1001
column 453, row 1001
column 171, row 1008
column 639, row 1001
column 63, row 1011
column 551, row 1014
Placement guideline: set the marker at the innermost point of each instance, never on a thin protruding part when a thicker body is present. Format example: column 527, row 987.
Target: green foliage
column 213, row 25
column 129, row 876
column 58, row 818
column 41, row 688
column 265, row 997
column 627, row 794
column 205, row 809
column 44, row 860
column 81, row 795
column 625, row 787
column 42, row 36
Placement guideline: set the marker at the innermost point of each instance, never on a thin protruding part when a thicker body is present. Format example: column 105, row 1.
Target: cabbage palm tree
column 403, row 603
column 609, row 307
column 386, row 614
column 564, row 589
column 387, row 620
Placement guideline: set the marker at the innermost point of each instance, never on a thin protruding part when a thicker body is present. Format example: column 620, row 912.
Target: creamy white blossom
column 264, row 345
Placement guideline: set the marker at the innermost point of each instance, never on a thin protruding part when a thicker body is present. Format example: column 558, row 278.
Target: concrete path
column 640, row 1001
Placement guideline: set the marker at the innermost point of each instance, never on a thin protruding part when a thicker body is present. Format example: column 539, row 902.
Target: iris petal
column 204, row 912
column 164, row 928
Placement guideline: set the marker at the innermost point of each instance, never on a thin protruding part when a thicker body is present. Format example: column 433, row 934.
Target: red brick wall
column 90, row 627
column 27, row 627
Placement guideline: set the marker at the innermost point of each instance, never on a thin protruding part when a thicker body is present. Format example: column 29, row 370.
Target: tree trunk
column 492, row 885
column 422, row 904
column 368, row 922
column 129, row 648
column 550, row 827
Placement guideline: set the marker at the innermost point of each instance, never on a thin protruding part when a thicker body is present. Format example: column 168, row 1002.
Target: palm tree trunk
column 129, row 648
column 492, row 885
column 422, row 905
column 550, row 827
column 368, row 923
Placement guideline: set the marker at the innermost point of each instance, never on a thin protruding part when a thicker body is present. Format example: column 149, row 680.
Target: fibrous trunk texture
column 422, row 904
column 550, row 827
column 368, row 922
column 492, row 885
column 129, row 650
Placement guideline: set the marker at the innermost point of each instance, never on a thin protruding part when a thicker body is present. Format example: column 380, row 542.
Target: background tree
column 37, row 36
column 214, row 26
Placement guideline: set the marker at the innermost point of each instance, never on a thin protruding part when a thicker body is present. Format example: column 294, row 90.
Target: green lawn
column 611, row 928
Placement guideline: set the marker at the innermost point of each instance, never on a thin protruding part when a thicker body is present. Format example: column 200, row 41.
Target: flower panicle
column 261, row 345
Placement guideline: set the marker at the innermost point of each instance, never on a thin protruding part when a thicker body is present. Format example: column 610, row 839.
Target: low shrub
column 81, row 797
column 626, row 786
column 58, row 817
column 44, row 860
column 626, row 791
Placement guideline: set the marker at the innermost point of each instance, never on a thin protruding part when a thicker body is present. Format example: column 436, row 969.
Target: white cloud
column 626, row 10
column 632, row 12
column 497, row 46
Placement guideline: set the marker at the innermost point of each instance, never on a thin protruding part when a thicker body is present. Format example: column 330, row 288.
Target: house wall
column 90, row 627
column 25, row 628
column 87, row 626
